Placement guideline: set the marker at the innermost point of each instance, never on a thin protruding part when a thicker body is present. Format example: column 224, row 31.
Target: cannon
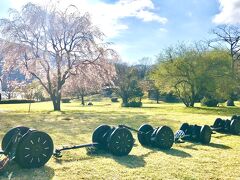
column 161, row 137
column 32, row 149
column 227, row 126
column 116, row 140
column 195, row 133
column 29, row 148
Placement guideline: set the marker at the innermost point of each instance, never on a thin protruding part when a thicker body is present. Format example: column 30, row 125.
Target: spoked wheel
column 184, row 127
column 164, row 137
column 178, row 135
column 120, row 142
column 217, row 123
column 234, row 117
column 205, row 134
column 235, row 126
column 100, row 133
column 34, row 150
column 144, row 135
column 227, row 125
column 7, row 139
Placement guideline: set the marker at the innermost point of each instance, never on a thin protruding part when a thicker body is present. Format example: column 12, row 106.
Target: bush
column 132, row 104
column 66, row 100
column 16, row 101
column 45, row 99
column 114, row 99
column 209, row 102
column 230, row 102
column 90, row 104
column 171, row 98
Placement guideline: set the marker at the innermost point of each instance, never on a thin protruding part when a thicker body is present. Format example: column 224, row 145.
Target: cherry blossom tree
column 12, row 87
column 52, row 45
column 90, row 80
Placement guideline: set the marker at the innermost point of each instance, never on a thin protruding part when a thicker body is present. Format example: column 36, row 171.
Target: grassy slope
column 75, row 124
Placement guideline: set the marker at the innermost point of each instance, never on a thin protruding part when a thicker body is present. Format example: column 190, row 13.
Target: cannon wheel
column 34, row 149
column 164, row 137
column 144, row 134
column 6, row 142
column 235, row 126
column 217, row 123
column 184, row 127
column 234, row 117
column 100, row 135
column 205, row 134
column 120, row 142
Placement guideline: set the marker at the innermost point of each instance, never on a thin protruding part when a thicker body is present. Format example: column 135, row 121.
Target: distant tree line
column 49, row 54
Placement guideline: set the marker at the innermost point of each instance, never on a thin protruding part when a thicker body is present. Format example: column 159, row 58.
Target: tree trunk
column 186, row 104
column 56, row 102
column 125, row 100
column 192, row 101
column 157, row 97
column 191, row 104
column 82, row 99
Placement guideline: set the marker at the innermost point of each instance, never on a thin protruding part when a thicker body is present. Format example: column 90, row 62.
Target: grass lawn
column 75, row 124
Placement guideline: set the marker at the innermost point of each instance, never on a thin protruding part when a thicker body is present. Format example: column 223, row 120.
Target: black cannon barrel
column 77, row 146
column 57, row 152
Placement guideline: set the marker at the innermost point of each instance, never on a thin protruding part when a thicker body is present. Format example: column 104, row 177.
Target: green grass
column 75, row 124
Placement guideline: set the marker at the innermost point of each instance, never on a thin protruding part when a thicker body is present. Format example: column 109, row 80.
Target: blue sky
column 142, row 28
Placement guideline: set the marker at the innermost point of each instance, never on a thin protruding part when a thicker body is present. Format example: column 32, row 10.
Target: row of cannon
column 31, row 148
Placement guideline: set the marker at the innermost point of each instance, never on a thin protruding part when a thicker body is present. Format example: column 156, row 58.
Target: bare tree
column 51, row 45
column 227, row 36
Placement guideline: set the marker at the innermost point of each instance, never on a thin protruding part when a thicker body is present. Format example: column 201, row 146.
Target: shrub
column 209, row 102
column 16, row 101
column 114, row 99
column 230, row 102
column 90, row 104
column 171, row 98
column 66, row 100
column 45, row 99
column 132, row 104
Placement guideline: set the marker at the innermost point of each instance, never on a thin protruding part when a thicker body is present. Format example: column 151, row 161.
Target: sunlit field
column 75, row 124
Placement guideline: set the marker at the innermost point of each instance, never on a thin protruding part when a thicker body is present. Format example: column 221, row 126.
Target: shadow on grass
column 224, row 111
column 220, row 135
column 130, row 161
column 172, row 151
column 55, row 112
column 63, row 160
column 177, row 152
column 219, row 146
column 152, row 107
column 13, row 171
column 213, row 145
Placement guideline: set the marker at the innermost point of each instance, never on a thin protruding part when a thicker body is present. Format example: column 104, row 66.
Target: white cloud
column 108, row 16
column 229, row 12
